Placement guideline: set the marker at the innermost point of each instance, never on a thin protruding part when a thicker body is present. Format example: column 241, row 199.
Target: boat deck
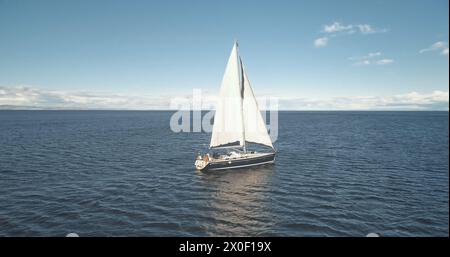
column 240, row 156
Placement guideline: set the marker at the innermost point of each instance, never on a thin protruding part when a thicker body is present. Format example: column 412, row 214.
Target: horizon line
column 207, row 110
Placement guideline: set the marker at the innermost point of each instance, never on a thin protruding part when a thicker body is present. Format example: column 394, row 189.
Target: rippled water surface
column 120, row 173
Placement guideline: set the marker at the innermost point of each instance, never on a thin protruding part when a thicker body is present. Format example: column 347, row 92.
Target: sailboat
column 237, row 124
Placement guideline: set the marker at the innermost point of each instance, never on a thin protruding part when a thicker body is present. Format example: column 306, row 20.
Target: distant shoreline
column 169, row 110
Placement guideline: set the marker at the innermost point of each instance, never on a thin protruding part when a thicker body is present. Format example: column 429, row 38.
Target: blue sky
column 312, row 54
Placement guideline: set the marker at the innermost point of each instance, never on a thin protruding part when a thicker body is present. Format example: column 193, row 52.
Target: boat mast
column 241, row 84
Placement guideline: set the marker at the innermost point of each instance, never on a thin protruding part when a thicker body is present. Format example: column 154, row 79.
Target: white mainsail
column 237, row 118
column 228, row 121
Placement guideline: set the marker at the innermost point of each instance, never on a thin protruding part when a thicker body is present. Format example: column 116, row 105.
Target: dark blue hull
column 241, row 163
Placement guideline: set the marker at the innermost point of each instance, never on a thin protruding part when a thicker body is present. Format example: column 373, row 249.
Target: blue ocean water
column 125, row 173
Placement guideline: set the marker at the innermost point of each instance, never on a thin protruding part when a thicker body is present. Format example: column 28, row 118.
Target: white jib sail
column 228, row 121
column 255, row 127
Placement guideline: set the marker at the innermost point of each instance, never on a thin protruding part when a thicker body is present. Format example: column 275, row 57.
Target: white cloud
column 370, row 58
column 384, row 61
column 368, row 29
column 438, row 46
column 362, row 63
column 370, row 55
column 365, row 57
column 365, row 29
column 436, row 100
column 321, row 42
column 337, row 29
column 34, row 97
column 28, row 97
